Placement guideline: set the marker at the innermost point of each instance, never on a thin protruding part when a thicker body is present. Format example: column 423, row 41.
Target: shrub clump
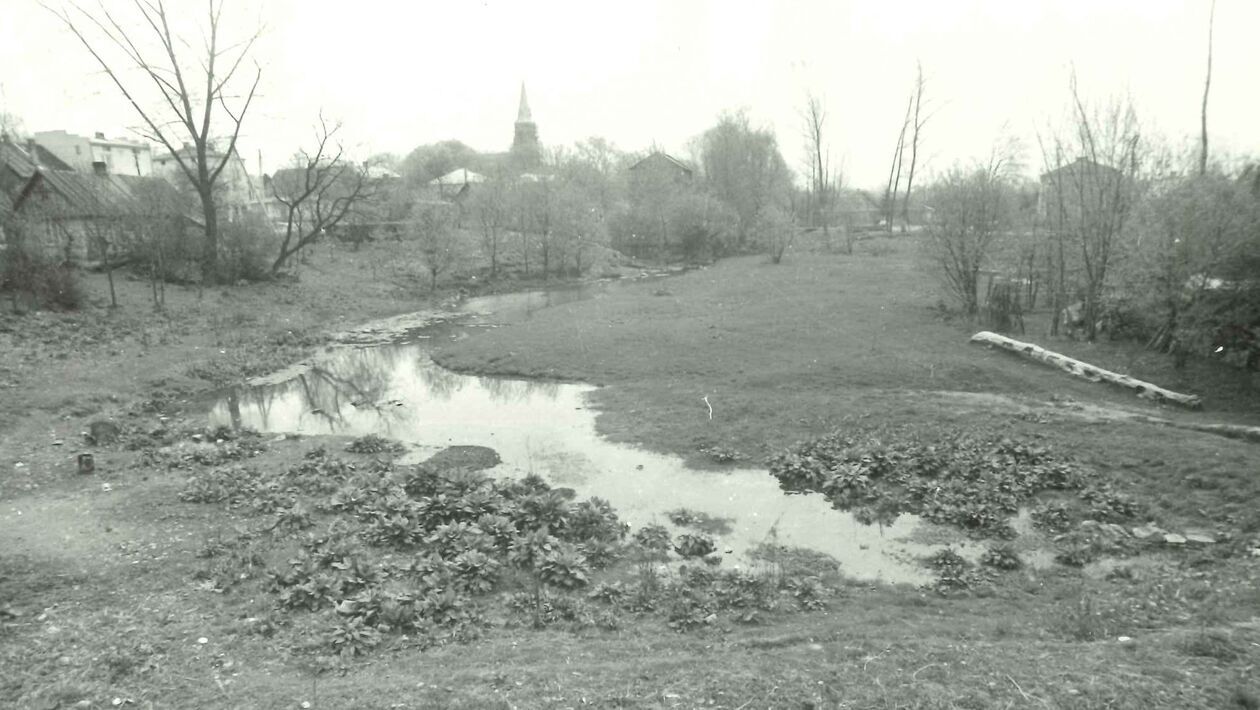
column 373, row 444
column 359, row 557
column 963, row 480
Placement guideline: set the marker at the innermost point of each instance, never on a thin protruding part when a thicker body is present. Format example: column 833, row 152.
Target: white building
column 98, row 154
column 237, row 191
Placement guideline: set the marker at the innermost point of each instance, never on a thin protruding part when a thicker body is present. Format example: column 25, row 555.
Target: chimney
column 100, row 135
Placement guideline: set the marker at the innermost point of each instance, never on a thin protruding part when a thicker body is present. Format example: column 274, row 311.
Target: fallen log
column 1145, row 390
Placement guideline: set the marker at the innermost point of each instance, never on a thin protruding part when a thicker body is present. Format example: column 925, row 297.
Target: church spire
column 522, row 114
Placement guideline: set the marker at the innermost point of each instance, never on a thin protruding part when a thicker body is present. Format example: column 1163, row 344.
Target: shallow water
column 546, row 428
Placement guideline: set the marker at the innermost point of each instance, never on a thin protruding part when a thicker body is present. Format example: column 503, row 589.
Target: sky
column 659, row 72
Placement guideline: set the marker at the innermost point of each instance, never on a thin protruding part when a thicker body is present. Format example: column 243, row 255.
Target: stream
column 394, row 389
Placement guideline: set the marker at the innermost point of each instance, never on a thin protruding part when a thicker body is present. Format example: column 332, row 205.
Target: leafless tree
column 434, row 226
column 1089, row 200
column 11, row 126
column 916, row 130
column 820, row 180
column 777, row 229
column 320, row 191
column 973, row 211
column 184, row 90
column 491, row 205
column 894, row 169
column 1207, row 84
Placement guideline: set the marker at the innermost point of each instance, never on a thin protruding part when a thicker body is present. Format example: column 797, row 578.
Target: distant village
column 78, row 187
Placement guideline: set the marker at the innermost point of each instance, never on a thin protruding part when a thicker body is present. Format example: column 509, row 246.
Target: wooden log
column 1143, row 389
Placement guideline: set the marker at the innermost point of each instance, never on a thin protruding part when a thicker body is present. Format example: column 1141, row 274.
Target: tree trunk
column 109, row 276
column 210, row 249
column 494, row 257
column 1143, row 389
column 1207, row 84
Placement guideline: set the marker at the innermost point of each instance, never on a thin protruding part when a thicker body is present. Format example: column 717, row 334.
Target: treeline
column 1118, row 238
column 732, row 192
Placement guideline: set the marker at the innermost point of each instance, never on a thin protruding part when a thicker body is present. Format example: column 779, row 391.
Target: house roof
column 19, row 159
column 85, row 195
column 659, row 156
column 458, row 176
column 854, row 201
column 1081, row 163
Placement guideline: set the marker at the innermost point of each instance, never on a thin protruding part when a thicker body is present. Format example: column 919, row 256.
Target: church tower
column 526, row 151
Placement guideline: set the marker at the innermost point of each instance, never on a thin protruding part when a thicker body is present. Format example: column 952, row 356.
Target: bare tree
column 1089, row 200
column 1207, row 84
column 820, row 181
column 916, row 129
column 490, row 204
column 320, row 191
column 777, row 228
column 11, row 126
column 973, row 210
column 184, row 90
column 434, row 225
column 894, row 170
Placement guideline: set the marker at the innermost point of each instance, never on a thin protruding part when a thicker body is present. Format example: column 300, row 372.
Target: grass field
column 100, row 606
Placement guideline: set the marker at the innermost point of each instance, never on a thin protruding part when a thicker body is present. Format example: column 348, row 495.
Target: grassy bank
column 789, row 352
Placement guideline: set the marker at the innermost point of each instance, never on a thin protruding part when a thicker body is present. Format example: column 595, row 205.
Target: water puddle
column 395, row 390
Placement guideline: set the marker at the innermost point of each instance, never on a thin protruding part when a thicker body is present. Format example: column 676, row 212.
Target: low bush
column 39, row 281
column 961, row 479
column 373, row 444
column 363, row 553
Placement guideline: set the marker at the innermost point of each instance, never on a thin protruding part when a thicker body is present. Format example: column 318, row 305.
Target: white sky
column 399, row 74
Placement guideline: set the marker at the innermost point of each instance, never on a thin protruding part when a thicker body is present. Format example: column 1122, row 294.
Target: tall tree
column 894, row 170
column 815, row 117
column 491, row 205
column 1207, row 84
column 183, row 88
column 916, row 129
column 744, row 169
column 1090, row 199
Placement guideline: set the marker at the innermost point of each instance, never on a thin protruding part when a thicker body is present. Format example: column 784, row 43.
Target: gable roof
column 83, row 195
column 658, row 156
column 458, row 176
column 1081, row 163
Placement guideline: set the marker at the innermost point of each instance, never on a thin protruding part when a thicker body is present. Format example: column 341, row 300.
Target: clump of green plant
column 653, row 537
column 373, row 444
column 1053, row 516
column 699, row 520
column 723, row 454
column 953, row 572
column 352, row 555
column 962, row 479
column 1108, row 505
column 689, row 545
column 228, row 484
column 1001, row 557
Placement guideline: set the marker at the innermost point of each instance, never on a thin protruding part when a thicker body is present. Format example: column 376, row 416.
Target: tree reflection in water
column 358, row 379
column 339, row 389
column 505, row 391
column 441, row 382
